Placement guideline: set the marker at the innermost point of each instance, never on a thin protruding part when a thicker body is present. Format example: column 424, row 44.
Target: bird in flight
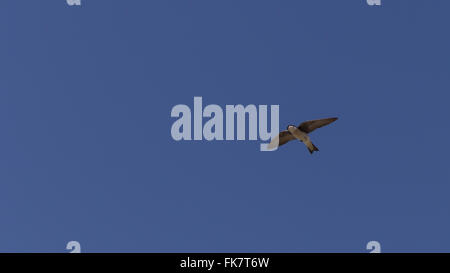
column 301, row 133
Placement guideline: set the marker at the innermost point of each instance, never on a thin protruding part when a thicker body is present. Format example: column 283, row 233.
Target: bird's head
column 289, row 126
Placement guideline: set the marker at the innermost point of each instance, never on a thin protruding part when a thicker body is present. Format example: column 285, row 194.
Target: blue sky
column 86, row 152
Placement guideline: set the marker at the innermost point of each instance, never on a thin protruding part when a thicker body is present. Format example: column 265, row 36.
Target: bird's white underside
column 302, row 136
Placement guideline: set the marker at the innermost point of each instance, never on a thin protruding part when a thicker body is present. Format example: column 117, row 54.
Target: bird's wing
column 282, row 138
column 311, row 125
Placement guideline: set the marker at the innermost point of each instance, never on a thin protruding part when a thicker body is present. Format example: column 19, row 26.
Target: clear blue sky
column 86, row 152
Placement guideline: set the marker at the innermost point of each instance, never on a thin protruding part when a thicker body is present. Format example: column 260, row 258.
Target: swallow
column 301, row 133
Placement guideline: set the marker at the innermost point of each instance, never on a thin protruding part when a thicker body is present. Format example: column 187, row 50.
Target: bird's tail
column 312, row 147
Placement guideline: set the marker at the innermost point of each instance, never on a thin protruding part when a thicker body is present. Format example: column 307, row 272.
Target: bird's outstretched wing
column 311, row 125
column 282, row 138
